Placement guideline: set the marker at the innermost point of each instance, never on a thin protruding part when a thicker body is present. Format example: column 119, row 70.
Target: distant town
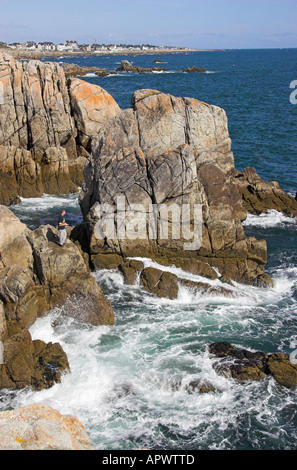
column 72, row 46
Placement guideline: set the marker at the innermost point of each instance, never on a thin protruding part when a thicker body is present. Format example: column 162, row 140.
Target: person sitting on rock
column 62, row 228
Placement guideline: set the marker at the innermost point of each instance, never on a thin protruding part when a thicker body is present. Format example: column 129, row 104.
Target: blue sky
column 207, row 24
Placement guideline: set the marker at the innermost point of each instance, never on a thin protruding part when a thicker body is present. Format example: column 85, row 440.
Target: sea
column 129, row 382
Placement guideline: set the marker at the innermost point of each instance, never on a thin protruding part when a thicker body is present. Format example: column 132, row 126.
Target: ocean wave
column 271, row 218
column 284, row 279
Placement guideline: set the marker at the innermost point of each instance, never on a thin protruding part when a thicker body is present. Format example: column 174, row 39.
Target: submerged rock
column 40, row 427
column 200, row 386
column 244, row 365
column 163, row 284
column 126, row 66
column 71, row 70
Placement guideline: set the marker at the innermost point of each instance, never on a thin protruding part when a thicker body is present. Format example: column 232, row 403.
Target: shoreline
column 22, row 54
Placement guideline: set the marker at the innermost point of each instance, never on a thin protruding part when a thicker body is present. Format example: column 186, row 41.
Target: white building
column 71, row 46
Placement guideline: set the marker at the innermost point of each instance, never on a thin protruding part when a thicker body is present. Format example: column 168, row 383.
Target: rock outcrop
column 40, row 427
column 71, row 70
column 164, row 151
column 170, row 151
column 36, row 275
column 244, row 365
column 41, row 143
column 126, row 66
column 259, row 196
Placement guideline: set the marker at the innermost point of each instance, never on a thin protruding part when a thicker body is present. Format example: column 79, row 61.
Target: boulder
column 130, row 270
column 66, row 279
column 199, row 386
column 40, row 427
column 10, row 227
column 244, row 365
column 283, row 371
column 92, row 106
column 162, row 284
column 74, row 69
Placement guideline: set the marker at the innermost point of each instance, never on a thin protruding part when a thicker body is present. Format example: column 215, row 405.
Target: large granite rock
column 92, row 107
column 45, row 126
column 171, row 151
column 40, row 427
column 36, row 275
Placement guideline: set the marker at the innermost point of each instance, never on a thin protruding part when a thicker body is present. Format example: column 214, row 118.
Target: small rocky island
column 126, row 66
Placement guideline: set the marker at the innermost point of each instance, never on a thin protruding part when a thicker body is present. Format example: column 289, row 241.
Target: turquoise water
column 128, row 382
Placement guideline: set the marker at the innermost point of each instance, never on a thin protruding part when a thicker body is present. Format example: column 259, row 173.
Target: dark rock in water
column 131, row 270
column 284, row 372
column 244, row 365
column 71, row 70
column 198, row 386
column 195, row 69
column 121, row 390
column 126, row 66
column 162, row 284
column 30, row 363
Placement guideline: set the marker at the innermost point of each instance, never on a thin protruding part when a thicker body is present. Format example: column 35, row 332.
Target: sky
column 205, row 24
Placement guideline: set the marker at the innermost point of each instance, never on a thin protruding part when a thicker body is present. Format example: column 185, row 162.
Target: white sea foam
column 270, row 219
column 128, row 383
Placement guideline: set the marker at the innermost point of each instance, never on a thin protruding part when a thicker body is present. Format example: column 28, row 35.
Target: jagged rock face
column 36, row 113
column 92, row 107
column 46, row 124
column 172, row 151
column 36, row 275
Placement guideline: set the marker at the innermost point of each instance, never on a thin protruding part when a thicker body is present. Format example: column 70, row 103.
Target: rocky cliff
column 167, row 150
column 36, row 275
column 45, row 128
column 164, row 151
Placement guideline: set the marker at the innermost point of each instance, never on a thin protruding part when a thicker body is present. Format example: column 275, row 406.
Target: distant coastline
column 23, row 54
